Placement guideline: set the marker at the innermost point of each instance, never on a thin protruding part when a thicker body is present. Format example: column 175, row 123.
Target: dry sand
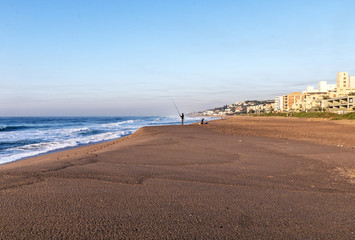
column 253, row 181
column 317, row 130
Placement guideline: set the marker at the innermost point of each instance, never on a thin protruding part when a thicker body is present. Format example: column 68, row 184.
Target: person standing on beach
column 182, row 118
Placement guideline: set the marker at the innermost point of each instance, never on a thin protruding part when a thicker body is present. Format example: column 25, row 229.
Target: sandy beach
column 236, row 178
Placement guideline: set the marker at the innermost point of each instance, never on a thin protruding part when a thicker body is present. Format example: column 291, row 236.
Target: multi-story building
column 293, row 101
column 341, row 104
column 285, row 107
column 313, row 97
column 279, row 104
column 325, row 87
column 345, row 84
column 265, row 107
column 343, row 99
column 335, row 97
column 312, row 101
column 260, row 108
column 352, row 82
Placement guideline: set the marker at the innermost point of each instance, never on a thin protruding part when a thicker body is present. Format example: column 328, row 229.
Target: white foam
column 61, row 138
column 120, row 124
column 13, row 154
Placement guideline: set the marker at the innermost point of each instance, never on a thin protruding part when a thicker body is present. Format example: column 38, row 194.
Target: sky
column 125, row 57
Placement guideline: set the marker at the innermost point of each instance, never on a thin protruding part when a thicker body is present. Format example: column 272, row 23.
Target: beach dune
column 193, row 181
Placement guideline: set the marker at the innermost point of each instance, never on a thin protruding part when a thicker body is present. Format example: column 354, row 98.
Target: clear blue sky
column 129, row 57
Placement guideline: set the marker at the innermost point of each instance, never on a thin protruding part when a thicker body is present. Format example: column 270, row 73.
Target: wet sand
column 228, row 179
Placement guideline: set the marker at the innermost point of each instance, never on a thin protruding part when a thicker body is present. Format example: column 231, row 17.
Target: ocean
column 22, row 137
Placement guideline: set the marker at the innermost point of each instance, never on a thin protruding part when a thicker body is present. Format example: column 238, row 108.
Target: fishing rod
column 176, row 107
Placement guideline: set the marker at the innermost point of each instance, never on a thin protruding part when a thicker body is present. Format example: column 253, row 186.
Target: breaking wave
column 27, row 137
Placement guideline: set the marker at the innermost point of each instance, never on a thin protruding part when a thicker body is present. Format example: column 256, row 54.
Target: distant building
column 345, row 84
column 208, row 113
column 293, row 100
column 312, row 101
column 352, row 82
column 285, row 103
column 239, row 109
column 341, row 99
column 255, row 108
column 313, row 97
column 325, row 87
column 311, row 89
column 279, row 104
column 341, row 104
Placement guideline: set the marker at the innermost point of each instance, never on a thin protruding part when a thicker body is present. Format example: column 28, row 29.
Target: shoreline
column 65, row 149
column 108, row 130
column 217, row 125
column 189, row 181
column 61, row 154
column 348, row 122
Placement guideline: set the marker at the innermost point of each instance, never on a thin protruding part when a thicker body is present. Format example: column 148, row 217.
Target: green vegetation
column 345, row 116
column 277, row 114
column 328, row 115
column 314, row 115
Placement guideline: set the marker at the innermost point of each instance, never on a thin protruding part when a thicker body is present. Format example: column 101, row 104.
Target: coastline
column 193, row 181
column 64, row 149
column 66, row 153
column 34, row 136
column 235, row 125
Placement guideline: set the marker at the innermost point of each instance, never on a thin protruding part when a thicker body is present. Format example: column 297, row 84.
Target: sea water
column 22, row 137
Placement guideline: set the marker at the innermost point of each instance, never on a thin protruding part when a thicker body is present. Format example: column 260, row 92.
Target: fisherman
column 182, row 118
column 201, row 123
column 182, row 114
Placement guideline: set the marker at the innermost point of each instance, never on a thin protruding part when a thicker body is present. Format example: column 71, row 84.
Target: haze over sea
column 22, row 137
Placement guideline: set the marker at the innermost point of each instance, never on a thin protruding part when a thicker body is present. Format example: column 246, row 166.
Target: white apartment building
column 345, row 84
column 279, row 104
column 323, row 87
column 352, row 82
